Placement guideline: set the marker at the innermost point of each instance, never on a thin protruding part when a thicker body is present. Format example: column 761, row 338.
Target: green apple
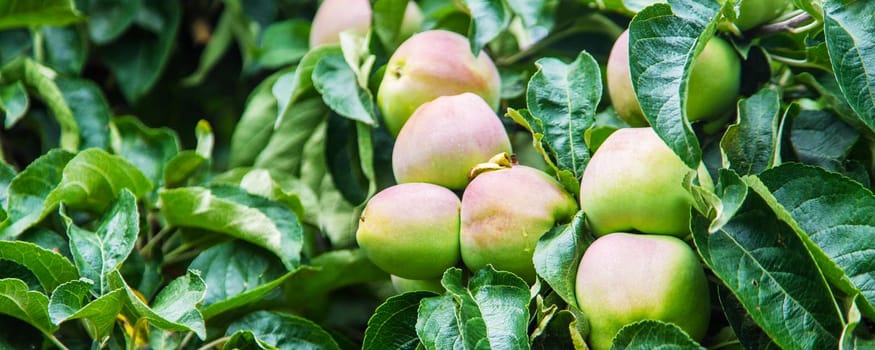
column 404, row 285
column 635, row 182
column 336, row 16
column 431, row 64
column 447, row 137
column 625, row 278
column 505, row 212
column 411, row 230
column 756, row 12
column 713, row 86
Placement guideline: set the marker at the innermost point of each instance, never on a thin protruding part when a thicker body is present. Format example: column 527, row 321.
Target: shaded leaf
column 174, row 308
column 834, row 217
column 50, row 268
column 148, row 149
column 13, row 102
column 651, row 334
column 98, row 253
column 849, row 28
column 665, row 40
column 752, row 144
column 232, row 211
column 89, row 108
column 284, row 331
column 284, row 43
column 108, row 19
column 488, row 19
column 338, row 84
column 769, row 270
column 558, row 254
column 27, row 202
column 66, row 49
column 29, row 306
column 393, row 324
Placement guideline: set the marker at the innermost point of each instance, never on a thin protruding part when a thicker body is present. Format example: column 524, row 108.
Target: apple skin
column 431, row 64
column 411, row 230
column 635, row 182
column 713, row 87
column 404, row 285
column 625, row 278
column 335, row 16
column 756, row 12
column 445, row 138
column 505, row 212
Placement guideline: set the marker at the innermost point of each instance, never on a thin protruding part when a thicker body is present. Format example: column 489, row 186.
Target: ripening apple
column 634, row 181
column 411, row 230
column 431, row 64
column 336, row 16
column 403, row 285
column 713, row 86
column 505, row 212
column 445, row 138
column 624, row 278
column 756, row 12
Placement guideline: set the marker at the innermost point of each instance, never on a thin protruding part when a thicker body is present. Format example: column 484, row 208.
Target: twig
column 792, row 24
column 147, row 249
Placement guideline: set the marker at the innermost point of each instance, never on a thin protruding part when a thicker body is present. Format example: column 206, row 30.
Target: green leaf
column 108, row 19
column 89, row 108
column 284, row 331
column 13, row 102
column 70, row 302
column 7, row 174
column 834, row 217
column 284, row 43
column 66, row 49
column 538, row 17
column 40, row 82
column 174, row 308
column 564, row 98
column 234, row 212
column 93, row 179
column 256, row 125
column 236, row 273
column 752, row 144
column 29, row 306
column 387, row 18
column 849, row 28
column 536, row 127
column 393, row 324
column 98, row 253
column 261, row 182
column 27, row 202
column 138, row 58
column 148, row 149
column 220, row 41
column 50, row 268
column 491, row 311
column 488, row 19
column 558, row 254
column 749, row 334
column 32, row 13
column 665, row 41
column 819, row 138
column 245, row 340
column 652, row 334
column 338, row 84
column 770, row 271
column 14, row 43
column 437, row 325
column 331, row 270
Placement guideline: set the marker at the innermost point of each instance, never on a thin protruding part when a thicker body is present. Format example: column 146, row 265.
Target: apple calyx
column 499, row 161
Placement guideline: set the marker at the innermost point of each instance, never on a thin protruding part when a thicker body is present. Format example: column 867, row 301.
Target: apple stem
column 798, row 23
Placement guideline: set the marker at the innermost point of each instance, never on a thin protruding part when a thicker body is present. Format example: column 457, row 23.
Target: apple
column 635, row 182
column 713, row 86
column 411, row 230
column 336, row 16
column 756, row 12
column 445, row 138
column 404, row 285
column 505, row 212
column 625, row 278
column 429, row 65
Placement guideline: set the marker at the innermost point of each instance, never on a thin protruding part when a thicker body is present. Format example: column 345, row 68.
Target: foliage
column 190, row 174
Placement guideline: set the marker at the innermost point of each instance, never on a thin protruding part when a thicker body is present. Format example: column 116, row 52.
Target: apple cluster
column 440, row 101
